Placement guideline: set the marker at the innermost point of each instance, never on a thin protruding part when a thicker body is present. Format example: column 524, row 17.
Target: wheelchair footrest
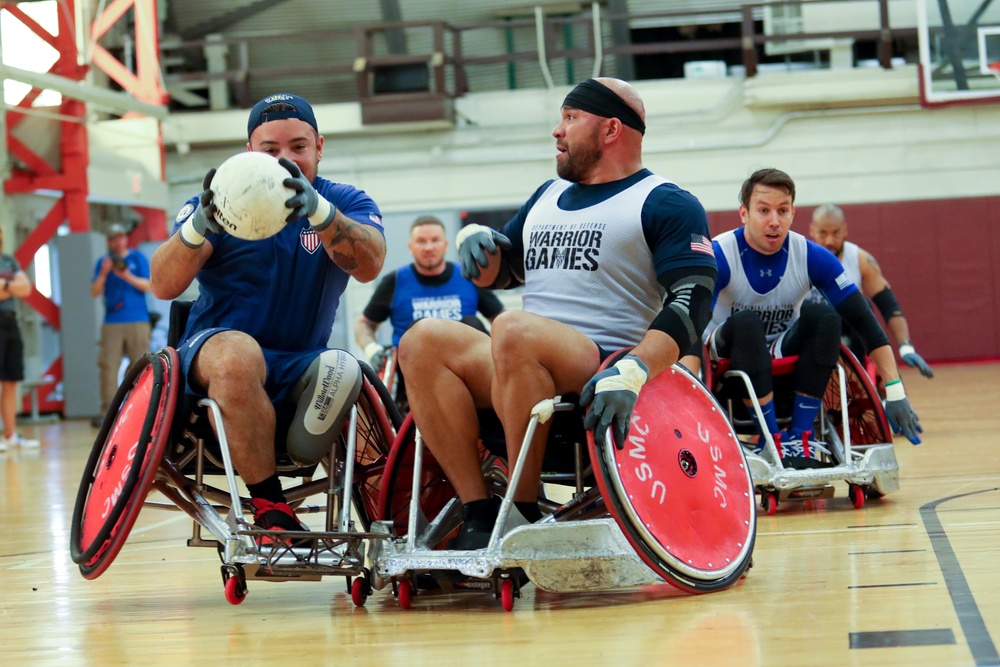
column 566, row 557
column 297, row 554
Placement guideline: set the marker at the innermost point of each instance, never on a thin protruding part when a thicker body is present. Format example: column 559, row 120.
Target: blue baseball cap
column 277, row 107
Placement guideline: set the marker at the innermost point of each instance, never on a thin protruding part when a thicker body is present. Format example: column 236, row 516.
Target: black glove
column 614, row 392
column 903, row 419
column 914, row 360
column 475, row 242
column 306, row 202
column 202, row 222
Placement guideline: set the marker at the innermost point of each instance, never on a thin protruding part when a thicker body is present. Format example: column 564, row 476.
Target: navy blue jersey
column 283, row 290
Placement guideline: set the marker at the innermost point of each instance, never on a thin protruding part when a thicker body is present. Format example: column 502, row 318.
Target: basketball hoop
column 994, row 67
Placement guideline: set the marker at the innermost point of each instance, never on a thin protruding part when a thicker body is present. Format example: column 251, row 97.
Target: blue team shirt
column 122, row 302
column 413, row 300
column 283, row 290
column 764, row 272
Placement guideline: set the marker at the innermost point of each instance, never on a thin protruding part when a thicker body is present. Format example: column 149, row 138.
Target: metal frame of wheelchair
column 132, row 456
column 688, row 518
column 858, row 437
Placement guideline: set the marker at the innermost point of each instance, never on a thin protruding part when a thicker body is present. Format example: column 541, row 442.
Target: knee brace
column 323, row 395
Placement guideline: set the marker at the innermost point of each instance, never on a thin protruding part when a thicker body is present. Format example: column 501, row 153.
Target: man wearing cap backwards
column 256, row 336
column 610, row 256
column 122, row 277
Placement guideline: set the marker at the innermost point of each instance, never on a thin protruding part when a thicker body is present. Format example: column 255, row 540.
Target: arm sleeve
column 854, row 309
column 489, row 304
column 827, row 274
column 687, row 306
column 379, row 308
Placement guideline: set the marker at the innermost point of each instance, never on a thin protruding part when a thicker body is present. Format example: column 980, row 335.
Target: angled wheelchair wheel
column 378, row 421
column 865, row 413
column 397, row 482
column 680, row 489
column 124, row 461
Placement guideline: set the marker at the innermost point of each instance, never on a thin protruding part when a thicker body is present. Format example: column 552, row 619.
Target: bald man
column 610, row 256
column 829, row 229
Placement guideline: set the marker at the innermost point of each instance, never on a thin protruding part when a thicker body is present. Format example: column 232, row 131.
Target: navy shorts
column 283, row 368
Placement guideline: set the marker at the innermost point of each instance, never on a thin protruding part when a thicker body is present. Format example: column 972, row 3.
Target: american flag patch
column 700, row 243
column 310, row 240
column 843, row 281
column 376, row 219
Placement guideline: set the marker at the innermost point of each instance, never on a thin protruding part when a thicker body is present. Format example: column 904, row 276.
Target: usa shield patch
column 310, row 240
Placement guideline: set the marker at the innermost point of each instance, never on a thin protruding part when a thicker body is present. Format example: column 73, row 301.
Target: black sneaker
column 271, row 516
column 473, row 535
column 478, row 519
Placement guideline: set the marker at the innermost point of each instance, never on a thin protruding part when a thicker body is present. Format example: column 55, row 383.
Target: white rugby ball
column 249, row 196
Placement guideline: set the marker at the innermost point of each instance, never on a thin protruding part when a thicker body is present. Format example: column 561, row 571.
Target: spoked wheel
column 378, row 421
column 680, row 489
column 124, row 461
column 394, row 499
column 865, row 414
column 235, row 582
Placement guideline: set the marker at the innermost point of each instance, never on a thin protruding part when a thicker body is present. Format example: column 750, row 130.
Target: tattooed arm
column 356, row 248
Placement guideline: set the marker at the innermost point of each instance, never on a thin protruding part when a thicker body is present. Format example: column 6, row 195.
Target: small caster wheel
column 236, row 586
column 405, row 593
column 507, row 594
column 857, row 495
column 769, row 503
column 359, row 591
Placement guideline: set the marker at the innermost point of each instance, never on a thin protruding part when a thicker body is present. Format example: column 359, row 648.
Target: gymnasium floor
column 908, row 580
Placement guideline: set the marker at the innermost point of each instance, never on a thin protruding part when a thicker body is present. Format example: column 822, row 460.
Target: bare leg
column 535, row 359
column 8, row 407
column 231, row 367
column 448, row 372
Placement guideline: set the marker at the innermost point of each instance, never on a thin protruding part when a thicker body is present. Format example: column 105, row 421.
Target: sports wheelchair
column 151, row 439
column 851, row 423
column 676, row 504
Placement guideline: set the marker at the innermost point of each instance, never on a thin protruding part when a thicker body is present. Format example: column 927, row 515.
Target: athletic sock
column 804, row 413
column 770, row 424
column 268, row 489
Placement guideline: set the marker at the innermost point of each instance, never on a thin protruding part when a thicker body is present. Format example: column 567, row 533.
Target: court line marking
column 977, row 635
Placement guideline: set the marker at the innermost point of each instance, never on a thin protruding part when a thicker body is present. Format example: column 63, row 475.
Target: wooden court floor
column 908, row 580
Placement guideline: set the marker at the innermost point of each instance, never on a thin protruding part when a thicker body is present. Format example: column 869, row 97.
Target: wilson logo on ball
column 249, row 195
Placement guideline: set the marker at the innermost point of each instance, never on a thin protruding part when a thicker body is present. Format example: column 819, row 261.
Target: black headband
column 596, row 98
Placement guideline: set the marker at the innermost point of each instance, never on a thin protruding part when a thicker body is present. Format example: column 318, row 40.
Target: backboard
column 959, row 46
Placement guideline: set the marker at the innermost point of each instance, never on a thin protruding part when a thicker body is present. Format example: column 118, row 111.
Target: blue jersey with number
column 283, row 290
